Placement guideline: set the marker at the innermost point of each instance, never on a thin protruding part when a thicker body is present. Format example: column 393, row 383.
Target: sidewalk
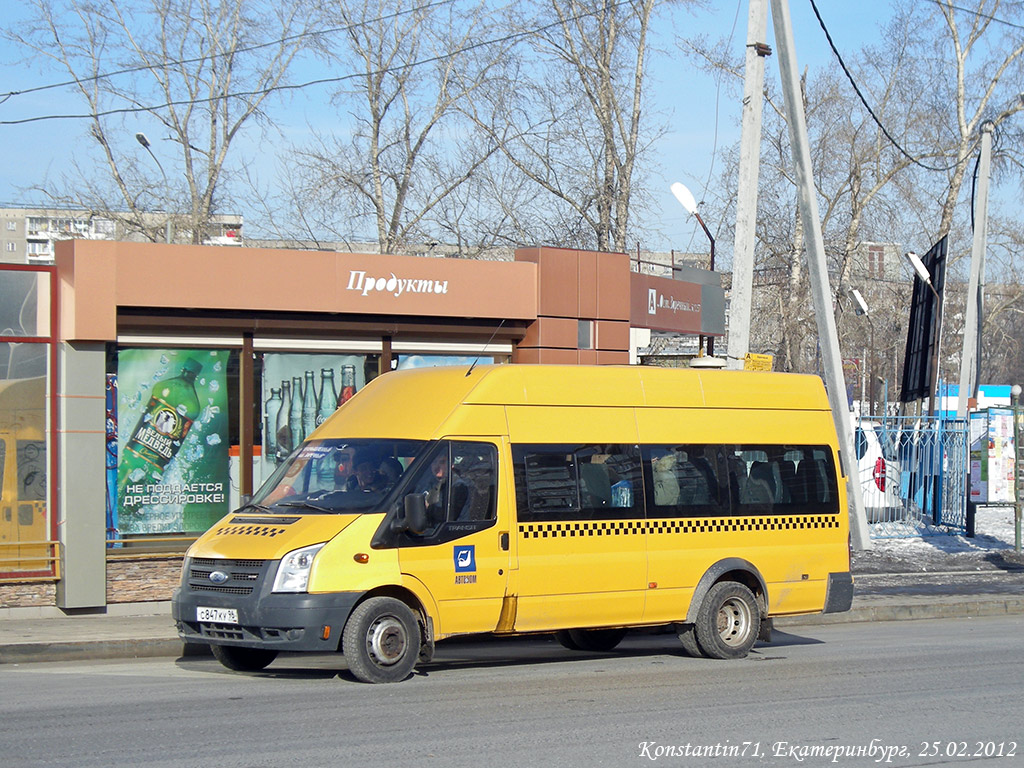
column 965, row 588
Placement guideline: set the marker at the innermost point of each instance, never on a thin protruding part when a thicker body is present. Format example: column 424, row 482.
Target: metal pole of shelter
column 817, row 268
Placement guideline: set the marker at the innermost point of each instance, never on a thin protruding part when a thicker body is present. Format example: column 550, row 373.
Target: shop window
column 404, row 362
column 23, row 477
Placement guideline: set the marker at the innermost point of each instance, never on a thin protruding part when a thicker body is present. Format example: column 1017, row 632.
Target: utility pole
column 817, row 268
column 975, row 286
column 746, row 190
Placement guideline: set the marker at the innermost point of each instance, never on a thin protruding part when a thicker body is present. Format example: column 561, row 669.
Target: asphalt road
column 941, row 692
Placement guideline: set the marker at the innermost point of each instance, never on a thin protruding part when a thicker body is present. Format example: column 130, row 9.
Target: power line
column 977, row 13
column 514, row 36
column 234, row 52
column 864, row 101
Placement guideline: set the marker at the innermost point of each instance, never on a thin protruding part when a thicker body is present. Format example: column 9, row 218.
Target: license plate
column 217, row 615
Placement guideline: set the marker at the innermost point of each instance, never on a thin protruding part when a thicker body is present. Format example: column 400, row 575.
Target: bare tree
column 202, row 69
column 400, row 155
column 572, row 118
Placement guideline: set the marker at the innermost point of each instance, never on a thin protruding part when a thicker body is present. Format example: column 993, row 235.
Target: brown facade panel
column 605, row 357
column 557, row 279
column 560, row 332
column 613, row 335
column 613, row 287
column 589, row 266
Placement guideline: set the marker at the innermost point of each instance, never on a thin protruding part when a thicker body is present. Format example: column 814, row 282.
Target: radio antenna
column 495, row 333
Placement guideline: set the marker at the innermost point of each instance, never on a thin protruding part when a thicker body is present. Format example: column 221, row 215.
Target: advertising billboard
column 172, row 435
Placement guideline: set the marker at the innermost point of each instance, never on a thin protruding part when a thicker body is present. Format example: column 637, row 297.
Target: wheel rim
column 386, row 641
column 734, row 622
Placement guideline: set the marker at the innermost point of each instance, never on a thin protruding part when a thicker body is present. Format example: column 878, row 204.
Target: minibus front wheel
column 728, row 622
column 381, row 641
column 242, row 659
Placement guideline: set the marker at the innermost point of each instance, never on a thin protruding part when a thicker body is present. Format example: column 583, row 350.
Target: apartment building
column 28, row 235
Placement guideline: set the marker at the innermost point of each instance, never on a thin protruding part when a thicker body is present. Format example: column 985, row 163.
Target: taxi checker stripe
column 686, row 525
column 250, row 530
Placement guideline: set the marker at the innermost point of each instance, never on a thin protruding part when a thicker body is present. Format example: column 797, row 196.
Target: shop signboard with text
column 664, row 304
column 172, row 434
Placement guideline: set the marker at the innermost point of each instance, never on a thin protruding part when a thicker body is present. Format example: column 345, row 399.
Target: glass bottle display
column 295, row 412
column 308, row 406
column 348, row 382
column 328, row 402
column 271, row 411
column 284, row 432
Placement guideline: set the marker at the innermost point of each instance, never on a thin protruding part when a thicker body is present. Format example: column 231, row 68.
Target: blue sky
column 702, row 116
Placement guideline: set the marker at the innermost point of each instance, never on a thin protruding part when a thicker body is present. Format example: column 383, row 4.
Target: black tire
column 688, row 638
column 381, row 641
column 243, row 659
column 597, row 639
column 564, row 637
column 728, row 621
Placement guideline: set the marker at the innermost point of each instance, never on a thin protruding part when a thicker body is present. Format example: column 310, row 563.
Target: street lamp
column 141, row 138
column 861, row 309
column 926, row 278
column 686, row 199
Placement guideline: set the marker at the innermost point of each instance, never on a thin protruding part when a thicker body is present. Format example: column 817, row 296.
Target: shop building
column 147, row 389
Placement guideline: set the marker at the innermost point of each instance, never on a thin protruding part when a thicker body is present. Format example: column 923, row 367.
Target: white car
column 878, row 470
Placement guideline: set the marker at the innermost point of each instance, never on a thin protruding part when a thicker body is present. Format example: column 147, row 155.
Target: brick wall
column 128, row 581
column 26, row 594
column 133, row 581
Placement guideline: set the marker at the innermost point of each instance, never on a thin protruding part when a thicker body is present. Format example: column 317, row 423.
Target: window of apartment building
column 103, row 227
column 12, row 247
column 876, row 268
column 12, row 225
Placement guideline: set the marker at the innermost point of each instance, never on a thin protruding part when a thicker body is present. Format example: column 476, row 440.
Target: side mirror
column 415, row 513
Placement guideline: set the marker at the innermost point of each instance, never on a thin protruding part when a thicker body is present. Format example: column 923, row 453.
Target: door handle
column 504, row 541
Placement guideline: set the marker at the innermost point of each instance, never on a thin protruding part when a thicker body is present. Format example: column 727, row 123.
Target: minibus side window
column 577, row 482
column 685, row 481
column 774, row 479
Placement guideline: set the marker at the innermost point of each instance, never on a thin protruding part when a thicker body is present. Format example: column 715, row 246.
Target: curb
column 91, row 650
column 996, row 606
column 122, row 648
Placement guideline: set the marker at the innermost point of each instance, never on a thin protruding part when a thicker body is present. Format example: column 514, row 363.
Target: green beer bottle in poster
column 161, row 429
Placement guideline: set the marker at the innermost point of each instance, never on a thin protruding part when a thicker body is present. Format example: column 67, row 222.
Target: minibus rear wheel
column 381, row 641
column 243, row 659
column 728, row 621
column 688, row 638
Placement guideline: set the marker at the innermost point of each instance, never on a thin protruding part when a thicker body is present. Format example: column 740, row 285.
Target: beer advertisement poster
column 172, row 434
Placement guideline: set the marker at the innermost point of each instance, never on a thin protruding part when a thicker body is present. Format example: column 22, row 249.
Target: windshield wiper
column 254, row 505
column 307, row 505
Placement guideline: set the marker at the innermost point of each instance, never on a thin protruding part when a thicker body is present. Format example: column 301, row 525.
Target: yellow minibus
column 517, row 499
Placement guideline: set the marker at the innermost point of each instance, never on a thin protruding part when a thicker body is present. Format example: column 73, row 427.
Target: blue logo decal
column 465, row 559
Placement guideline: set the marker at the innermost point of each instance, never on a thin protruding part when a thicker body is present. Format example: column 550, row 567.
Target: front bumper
column 269, row 620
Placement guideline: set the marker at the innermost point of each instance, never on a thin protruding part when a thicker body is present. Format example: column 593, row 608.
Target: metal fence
column 913, row 473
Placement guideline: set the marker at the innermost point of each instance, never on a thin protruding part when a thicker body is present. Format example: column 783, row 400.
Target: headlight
column 293, row 572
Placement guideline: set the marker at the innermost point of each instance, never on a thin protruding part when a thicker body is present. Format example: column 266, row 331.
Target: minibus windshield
column 337, row 476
